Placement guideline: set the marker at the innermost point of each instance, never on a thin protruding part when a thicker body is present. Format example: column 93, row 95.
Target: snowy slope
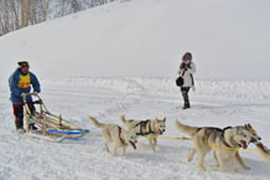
column 229, row 39
column 139, row 43
column 107, row 98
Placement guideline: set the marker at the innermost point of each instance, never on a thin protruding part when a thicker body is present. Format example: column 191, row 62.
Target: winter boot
column 186, row 106
column 19, row 124
column 186, row 98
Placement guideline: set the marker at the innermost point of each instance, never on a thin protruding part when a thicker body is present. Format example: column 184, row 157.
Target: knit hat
column 22, row 64
column 188, row 54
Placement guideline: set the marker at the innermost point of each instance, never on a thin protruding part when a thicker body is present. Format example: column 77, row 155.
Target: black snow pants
column 185, row 91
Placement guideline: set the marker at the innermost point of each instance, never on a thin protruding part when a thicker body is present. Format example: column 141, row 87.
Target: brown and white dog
column 263, row 151
column 150, row 127
column 112, row 133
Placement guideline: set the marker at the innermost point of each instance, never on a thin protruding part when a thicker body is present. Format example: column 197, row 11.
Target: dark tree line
column 17, row 14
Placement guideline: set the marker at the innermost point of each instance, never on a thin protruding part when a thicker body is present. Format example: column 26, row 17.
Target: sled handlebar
column 24, row 95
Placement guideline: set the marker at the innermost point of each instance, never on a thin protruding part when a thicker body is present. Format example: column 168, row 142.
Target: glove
column 23, row 94
column 183, row 66
column 35, row 93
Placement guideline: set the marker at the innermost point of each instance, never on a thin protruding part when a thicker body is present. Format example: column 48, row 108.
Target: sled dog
column 112, row 133
column 263, row 151
column 191, row 131
column 150, row 127
column 224, row 142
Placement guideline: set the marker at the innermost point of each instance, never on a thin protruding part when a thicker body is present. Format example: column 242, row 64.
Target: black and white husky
column 225, row 142
column 150, row 127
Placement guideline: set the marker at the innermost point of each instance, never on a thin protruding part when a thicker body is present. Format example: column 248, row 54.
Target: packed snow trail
column 214, row 103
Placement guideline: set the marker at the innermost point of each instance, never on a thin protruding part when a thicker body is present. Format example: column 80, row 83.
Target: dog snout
column 163, row 130
column 259, row 138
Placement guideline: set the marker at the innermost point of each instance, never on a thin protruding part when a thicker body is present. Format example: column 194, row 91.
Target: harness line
column 183, row 138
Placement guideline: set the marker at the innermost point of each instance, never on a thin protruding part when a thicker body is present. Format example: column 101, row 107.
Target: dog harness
column 222, row 138
column 121, row 139
column 143, row 124
column 235, row 144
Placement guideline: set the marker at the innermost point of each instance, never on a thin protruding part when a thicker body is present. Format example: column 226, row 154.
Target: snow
column 215, row 103
column 122, row 58
column 229, row 40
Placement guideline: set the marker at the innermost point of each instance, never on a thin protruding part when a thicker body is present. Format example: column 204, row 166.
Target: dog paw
column 203, row 169
column 247, row 168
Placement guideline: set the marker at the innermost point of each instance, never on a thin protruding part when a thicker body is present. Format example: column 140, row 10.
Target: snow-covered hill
column 229, row 39
column 122, row 58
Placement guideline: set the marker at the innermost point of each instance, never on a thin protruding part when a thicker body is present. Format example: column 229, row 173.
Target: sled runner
column 51, row 127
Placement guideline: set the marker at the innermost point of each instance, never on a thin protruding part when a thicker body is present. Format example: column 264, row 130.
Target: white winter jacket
column 187, row 74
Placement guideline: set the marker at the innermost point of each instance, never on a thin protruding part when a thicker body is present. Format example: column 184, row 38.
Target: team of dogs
column 225, row 142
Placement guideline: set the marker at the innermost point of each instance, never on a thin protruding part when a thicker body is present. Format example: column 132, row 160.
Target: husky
column 191, row 131
column 112, row 133
column 150, row 127
column 223, row 141
column 263, row 151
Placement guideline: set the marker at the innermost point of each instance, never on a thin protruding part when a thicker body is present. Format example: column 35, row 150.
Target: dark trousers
column 18, row 112
column 185, row 91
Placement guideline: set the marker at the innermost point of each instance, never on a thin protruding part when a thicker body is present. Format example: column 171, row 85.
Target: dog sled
column 50, row 126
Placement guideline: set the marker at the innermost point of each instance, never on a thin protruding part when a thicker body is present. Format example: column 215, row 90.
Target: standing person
column 20, row 82
column 186, row 70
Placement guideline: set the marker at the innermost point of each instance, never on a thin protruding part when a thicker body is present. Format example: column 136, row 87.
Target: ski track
column 213, row 103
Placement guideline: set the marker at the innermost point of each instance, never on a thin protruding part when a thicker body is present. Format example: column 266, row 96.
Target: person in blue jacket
column 20, row 82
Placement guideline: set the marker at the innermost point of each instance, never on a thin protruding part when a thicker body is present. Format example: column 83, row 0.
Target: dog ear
column 249, row 126
column 246, row 126
column 164, row 120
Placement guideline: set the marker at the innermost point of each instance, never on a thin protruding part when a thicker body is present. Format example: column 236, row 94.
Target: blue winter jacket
column 21, row 83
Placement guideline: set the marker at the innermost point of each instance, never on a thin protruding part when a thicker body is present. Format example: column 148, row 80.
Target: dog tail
column 123, row 119
column 96, row 123
column 191, row 131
